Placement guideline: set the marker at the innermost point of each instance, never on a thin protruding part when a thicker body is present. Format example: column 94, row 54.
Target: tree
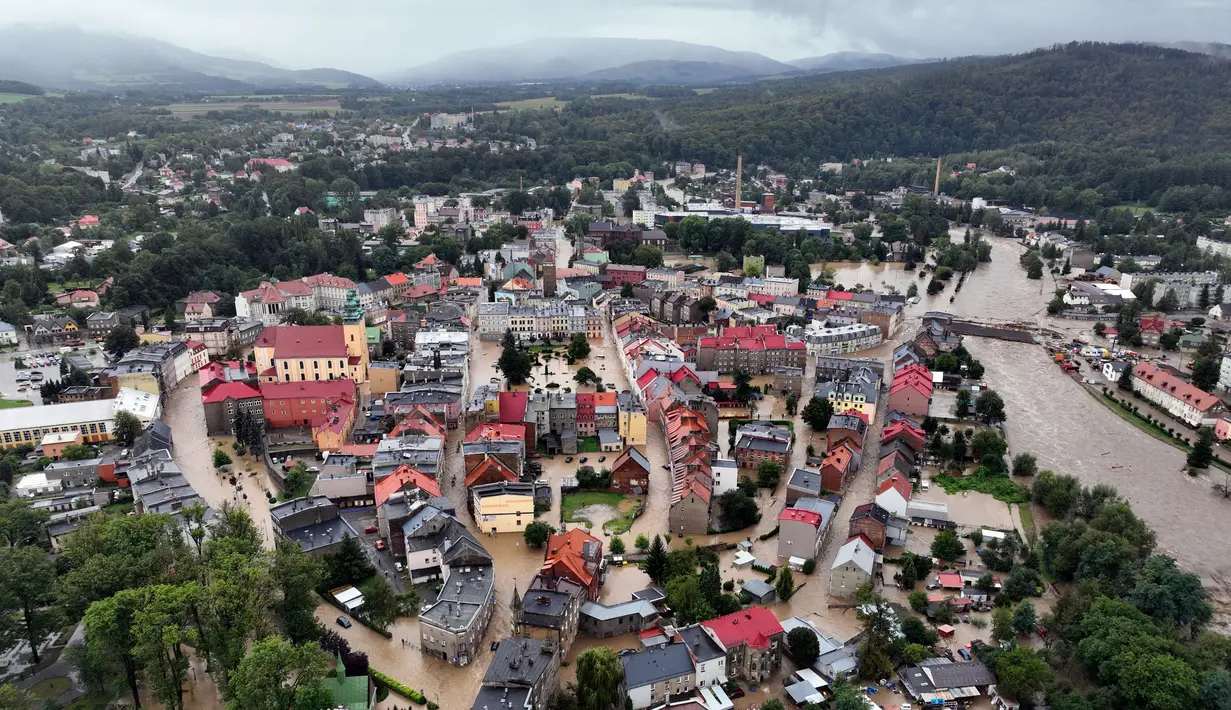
column 655, row 563
column 1002, row 624
column 279, row 675
column 586, row 376
column 684, row 596
column 1168, row 594
column 711, row 582
column 600, row 676
column 1021, row 673
column 918, row 600
column 536, row 533
column 626, row 290
column 792, row 404
column 915, row 631
column 120, row 340
column 348, row 564
column 27, row 588
column 127, row 428
column 76, row 452
column 515, row 364
column 707, row 305
column 990, row 448
column 723, row 261
column 785, row 585
column 298, row 480
column 817, row 413
column 963, row 403
column 768, row 474
column 578, row 346
column 773, row 704
column 1025, row 465
column 738, row 509
column 616, row 546
column 642, row 542
column 990, row 407
column 912, row 291
column 648, row 256
column 1202, row 454
column 1025, row 620
column 221, row 458
column 297, row 575
column 1057, row 494
column 947, row 546
column 378, row 603
column 1035, row 270
column 20, row 524
column 161, row 630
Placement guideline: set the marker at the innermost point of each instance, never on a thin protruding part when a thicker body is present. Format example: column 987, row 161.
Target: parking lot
column 48, row 365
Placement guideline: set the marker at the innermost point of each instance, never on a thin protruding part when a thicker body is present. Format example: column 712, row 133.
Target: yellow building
column 848, row 397
column 26, row 426
column 504, row 507
column 385, row 376
column 312, row 353
column 632, row 423
column 620, row 184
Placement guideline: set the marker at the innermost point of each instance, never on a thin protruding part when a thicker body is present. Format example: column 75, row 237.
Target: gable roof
column 753, row 626
column 898, row 482
column 401, row 478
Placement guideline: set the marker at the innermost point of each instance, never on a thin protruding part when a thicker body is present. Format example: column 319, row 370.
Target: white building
column 726, row 475
column 34, row 485
column 143, row 405
column 8, row 334
column 1178, row 398
column 852, row 568
column 840, row 340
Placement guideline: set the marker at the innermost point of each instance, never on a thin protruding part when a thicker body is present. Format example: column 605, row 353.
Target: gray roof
column 702, row 646
column 804, row 480
column 493, row 697
column 945, row 674
column 758, row 588
column 545, row 602
column 321, row 535
column 462, row 597
column 608, row 436
column 757, row 443
column 650, row 594
column 601, row 612
column 654, row 665
column 519, row 662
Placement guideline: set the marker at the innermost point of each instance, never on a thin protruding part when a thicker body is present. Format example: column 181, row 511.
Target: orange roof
column 604, row 399
column 839, row 457
column 491, row 430
column 398, row 279
column 896, row 481
column 567, row 550
column 491, row 463
column 361, row 450
column 404, row 477
column 472, row 282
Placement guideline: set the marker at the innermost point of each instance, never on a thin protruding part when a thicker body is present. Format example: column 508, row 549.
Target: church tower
column 356, row 335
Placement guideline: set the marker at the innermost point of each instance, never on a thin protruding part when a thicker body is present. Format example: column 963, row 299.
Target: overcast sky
column 383, row 36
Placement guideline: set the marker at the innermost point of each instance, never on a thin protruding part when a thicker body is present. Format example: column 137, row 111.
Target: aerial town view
column 828, row 358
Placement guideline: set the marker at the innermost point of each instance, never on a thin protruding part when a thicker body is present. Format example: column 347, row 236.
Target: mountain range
column 69, row 58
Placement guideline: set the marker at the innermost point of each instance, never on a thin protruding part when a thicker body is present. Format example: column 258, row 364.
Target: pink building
column 625, row 273
column 1222, row 428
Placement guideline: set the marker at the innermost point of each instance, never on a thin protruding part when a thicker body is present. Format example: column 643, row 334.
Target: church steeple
column 352, row 314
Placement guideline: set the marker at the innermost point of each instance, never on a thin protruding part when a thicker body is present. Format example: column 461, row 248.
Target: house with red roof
column 1153, row 327
column 893, row 494
column 226, row 399
column 281, row 165
column 327, row 407
column 88, row 221
column 405, row 479
column 757, row 350
column 801, row 531
column 907, row 431
column 1182, row 400
column 753, row 639
column 839, row 464
column 911, row 392
column 692, row 479
column 578, row 556
column 489, row 469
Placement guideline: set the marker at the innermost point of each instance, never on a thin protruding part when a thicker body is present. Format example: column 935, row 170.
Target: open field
column 188, row 110
column 702, row 92
column 14, row 403
column 14, row 98
column 534, row 104
column 622, row 96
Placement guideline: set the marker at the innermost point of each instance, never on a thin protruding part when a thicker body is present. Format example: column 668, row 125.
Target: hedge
column 396, row 686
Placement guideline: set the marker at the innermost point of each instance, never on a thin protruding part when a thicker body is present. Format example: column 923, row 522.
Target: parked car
column 602, row 459
column 582, row 459
column 736, row 692
column 371, row 529
column 380, row 544
column 964, row 654
column 344, row 622
column 568, row 460
column 626, row 652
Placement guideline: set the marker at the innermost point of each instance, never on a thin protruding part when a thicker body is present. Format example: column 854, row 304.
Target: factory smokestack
column 936, row 187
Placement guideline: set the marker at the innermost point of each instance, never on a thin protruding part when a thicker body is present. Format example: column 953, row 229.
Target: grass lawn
column 1027, row 517
column 15, row 403
column 588, row 445
column 14, row 98
column 56, row 287
column 90, row 701
column 1000, row 487
column 623, row 504
column 118, row 508
column 534, row 104
column 50, row 688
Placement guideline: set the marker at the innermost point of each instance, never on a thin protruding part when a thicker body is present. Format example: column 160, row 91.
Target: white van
column 925, row 484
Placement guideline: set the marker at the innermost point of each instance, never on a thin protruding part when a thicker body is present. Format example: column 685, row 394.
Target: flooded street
column 1048, row 415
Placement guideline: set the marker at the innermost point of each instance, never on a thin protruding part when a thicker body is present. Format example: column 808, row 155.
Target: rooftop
column 752, row 626
column 658, row 664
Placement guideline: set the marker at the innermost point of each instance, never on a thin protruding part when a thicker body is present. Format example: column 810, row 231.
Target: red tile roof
column 810, row 517
column 404, row 477
column 490, row 464
column 753, row 626
column 896, row 481
column 513, row 407
column 230, row 390
column 1174, row 386
column 304, row 341
column 565, row 556
column 495, row 432
column 323, row 389
column 950, row 580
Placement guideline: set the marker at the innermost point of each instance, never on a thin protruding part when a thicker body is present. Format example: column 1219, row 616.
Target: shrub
column 398, row 687
column 809, row 566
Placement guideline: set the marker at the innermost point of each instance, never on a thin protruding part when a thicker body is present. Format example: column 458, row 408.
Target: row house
column 755, row 354
column 689, row 451
column 760, row 441
column 272, row 301
column 221, row 335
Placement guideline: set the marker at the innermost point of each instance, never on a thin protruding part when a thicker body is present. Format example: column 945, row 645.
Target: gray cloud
column 384, row 36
